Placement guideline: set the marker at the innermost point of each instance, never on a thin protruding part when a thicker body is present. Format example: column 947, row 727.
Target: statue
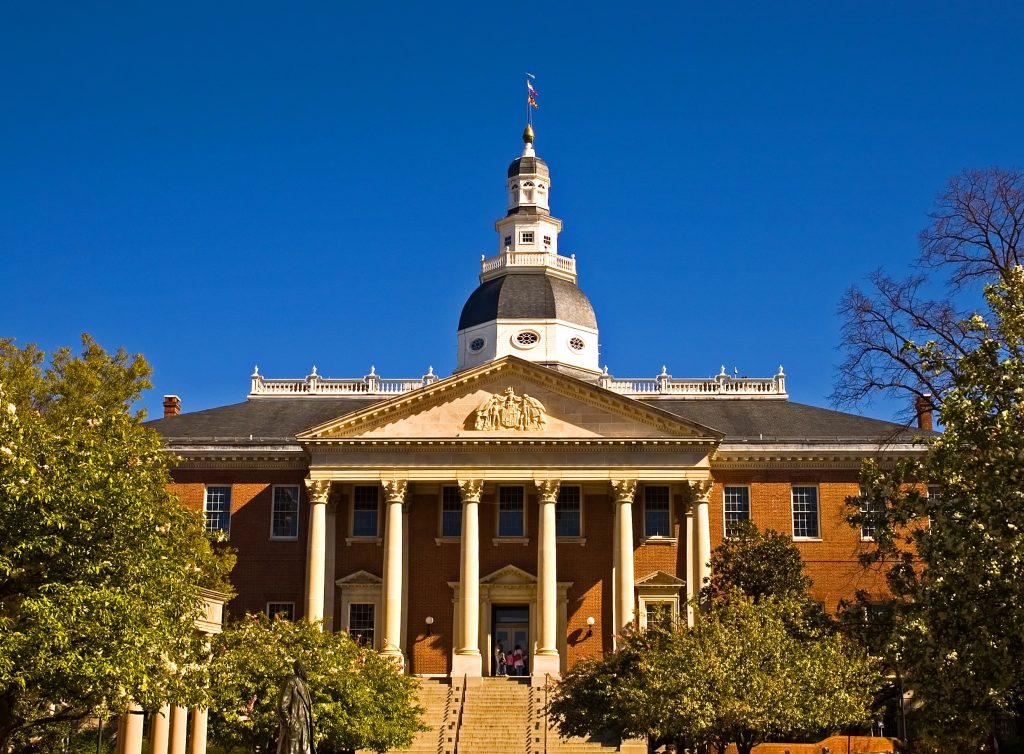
column 295, row 734
column 506, row 410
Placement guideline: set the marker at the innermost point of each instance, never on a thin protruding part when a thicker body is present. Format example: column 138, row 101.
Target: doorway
column 510, row 627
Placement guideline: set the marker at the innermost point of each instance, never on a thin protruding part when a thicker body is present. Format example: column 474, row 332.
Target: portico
column 534, row 482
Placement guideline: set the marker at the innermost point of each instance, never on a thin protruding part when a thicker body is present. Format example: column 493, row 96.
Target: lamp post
column 430, row 625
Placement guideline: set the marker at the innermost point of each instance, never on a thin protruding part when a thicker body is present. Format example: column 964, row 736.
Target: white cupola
column 528, row 303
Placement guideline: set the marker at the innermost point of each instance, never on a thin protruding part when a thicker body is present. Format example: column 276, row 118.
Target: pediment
column 360, row 578
column 660, row 578
column 509, row 399
column 510, row 575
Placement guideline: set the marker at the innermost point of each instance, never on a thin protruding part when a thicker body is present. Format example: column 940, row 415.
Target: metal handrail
column 547, row 684
column 462, row 706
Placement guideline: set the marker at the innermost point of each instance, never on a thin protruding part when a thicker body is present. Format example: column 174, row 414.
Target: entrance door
column 510, row 628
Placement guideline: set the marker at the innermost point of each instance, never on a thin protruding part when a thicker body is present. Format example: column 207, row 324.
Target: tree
column 757, row 563
column 740, row 675
column 953, row 559
column 100, row 567
column 361, row 699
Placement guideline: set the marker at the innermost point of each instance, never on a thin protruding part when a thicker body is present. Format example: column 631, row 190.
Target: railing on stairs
column 458, row 723
column 547, row 684
column 443, row 733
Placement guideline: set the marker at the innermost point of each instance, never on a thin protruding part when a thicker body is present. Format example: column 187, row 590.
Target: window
column 577, row 344
column 567, row 512
column 510, row 512
column 281, row 610
column 218, row 509
column 805, row 513
column 547, row 240
column 657, row 522
column 477, row 344
column 508, row 241
column 527, row 338
column 451, row 512
column 284, row 516
column 737, row 507
column 659, row 615
column 365, row 511
column 360, row 622
column 526, row 236
column 869, row 509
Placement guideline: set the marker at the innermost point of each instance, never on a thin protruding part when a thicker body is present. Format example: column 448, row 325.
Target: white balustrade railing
column 511, row 258
column 664, row 385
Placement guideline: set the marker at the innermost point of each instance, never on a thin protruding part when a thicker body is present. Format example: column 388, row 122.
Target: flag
column 531, row 93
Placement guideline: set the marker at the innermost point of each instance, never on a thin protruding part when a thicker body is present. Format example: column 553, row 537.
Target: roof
column 527, row 296
column 528, row 166
column 267, row 420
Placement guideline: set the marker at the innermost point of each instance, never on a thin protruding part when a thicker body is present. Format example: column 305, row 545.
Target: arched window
column 528, row 191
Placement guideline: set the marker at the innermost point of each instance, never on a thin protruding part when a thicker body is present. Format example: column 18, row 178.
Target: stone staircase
column 498, row 716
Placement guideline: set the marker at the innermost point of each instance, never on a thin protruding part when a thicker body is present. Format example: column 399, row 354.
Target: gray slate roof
column 528, row 166
column 277, row 420
column 527, row 296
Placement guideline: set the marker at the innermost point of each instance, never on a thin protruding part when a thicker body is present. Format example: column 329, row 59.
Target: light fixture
column 590, row 627
column 430, row 625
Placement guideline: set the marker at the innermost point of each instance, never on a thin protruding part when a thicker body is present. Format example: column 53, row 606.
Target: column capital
column 547, row 489
column 470, row 490
column 624, row 490
column 700, row 492
column 395, row 489
column 319, row 490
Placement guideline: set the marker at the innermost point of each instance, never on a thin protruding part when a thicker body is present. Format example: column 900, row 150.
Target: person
column 510, row 663
column 499, row 660
column 518, row 661
column 295, row 711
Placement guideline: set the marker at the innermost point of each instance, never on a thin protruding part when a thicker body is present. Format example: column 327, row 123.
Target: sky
column 223, row 185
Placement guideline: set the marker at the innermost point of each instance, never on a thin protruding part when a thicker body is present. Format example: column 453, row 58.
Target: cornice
column 465, row 444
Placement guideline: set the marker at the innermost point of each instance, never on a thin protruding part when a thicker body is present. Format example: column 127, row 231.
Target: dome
column 529, row 296
column 528, row 166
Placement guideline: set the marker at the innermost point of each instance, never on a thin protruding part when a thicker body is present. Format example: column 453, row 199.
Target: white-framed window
column 659, row 615
column 281, row 610
column 284, row 513
column 568, row 512
column 547, row 240
column 365, row 511
column 526, row 236
column 869, row 508
column 806, row 524
column 659, row 607
column 511, row 512
column 736, row 507
column 508, row 241
column 217, row 508
column 361, row 622
column 526, row 339
column 451, row 512
column 657, row 511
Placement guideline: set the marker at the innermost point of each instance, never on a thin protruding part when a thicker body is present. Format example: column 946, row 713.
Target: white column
column 133, row 721
column 316, row 548
column 624, row 490
column 198, row 743
column 692, row 590
column 546, row 661
column 179, row 729
column 394, row 493
column 159, row 729
column 702, row 567
column 467, row 660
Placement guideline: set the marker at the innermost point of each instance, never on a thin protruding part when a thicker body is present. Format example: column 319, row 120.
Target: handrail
column 462, row 706
column 547, row 683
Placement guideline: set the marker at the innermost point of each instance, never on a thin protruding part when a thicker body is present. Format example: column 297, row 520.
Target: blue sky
column 218, row 185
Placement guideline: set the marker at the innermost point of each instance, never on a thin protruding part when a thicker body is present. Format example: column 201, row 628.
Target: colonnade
column 168, row 731
column 467, row 659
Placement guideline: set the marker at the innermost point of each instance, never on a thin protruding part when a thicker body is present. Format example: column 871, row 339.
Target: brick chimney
column 172, row 405
column 923, row 409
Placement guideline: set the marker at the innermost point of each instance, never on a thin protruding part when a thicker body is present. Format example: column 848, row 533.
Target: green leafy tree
column 100, row 567
column 361, row 699
column 952, row 632
column 757, row 563
column 740, row 675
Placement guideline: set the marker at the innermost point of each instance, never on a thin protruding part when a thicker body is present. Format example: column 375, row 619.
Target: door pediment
column 509, row 399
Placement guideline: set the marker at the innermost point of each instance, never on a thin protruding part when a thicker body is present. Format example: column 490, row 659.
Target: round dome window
column 526, row 339
column 577, row 344
column 476, row 345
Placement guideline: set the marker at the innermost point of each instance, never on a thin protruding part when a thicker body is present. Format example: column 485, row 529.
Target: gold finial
column 528, row 134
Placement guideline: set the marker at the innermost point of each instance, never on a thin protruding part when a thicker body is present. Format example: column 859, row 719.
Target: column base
column 545, row 666
column 633, row 746
column 468, row 665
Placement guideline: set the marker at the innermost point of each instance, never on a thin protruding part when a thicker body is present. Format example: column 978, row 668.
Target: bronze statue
column 295, row 734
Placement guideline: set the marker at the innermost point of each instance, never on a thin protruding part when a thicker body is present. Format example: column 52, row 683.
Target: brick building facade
column 530, row 498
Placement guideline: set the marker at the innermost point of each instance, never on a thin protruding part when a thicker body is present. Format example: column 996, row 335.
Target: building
column 530, row 498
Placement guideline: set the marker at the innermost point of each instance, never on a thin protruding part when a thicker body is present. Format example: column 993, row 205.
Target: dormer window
column 526, row 236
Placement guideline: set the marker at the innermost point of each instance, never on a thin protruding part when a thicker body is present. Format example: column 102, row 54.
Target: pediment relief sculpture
column 509, row 411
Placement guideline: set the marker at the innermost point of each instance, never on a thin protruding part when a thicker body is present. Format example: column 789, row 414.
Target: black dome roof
column 527, row 296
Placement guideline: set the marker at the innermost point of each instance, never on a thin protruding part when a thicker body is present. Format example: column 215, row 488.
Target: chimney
column 172, row 405
column 923, row 409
